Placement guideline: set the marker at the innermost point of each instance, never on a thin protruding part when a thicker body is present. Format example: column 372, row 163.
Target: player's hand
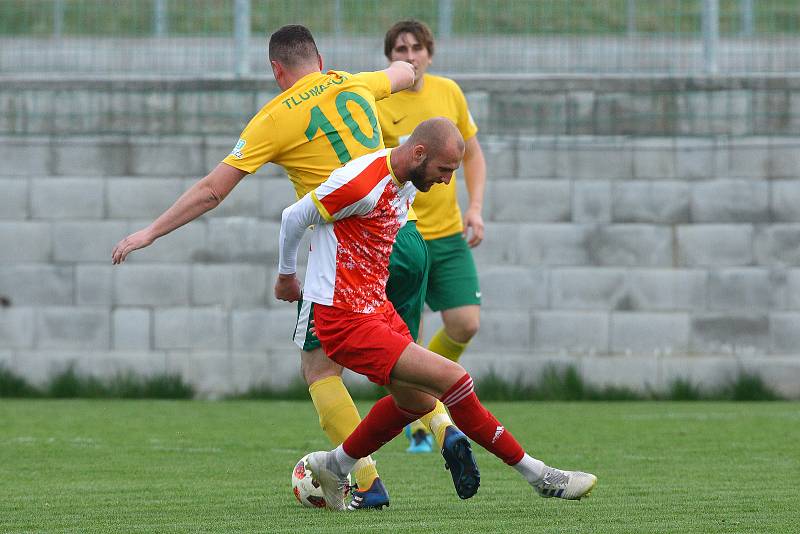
column 287, row 288
column 473, row 227
column 135, row 241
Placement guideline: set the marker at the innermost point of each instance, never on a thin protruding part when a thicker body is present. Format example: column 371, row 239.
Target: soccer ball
column 307, row 490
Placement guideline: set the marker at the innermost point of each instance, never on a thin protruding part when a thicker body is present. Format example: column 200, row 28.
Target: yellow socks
column 338, row 417
column 442, row 344
column 437, row 420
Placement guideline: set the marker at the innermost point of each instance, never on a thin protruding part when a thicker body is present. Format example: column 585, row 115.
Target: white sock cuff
column 530, row 468
column 345, row 461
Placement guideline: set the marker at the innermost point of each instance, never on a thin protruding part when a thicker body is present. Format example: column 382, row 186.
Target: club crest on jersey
column 237, row 150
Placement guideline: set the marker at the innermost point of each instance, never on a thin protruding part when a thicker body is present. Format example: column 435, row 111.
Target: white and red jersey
column 357, row 213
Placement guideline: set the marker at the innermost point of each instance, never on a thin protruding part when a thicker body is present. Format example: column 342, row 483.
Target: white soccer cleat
column 570, row 485
column 334, row 485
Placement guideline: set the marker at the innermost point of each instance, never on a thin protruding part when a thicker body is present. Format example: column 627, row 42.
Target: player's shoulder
column 370, row 77
column 442, row 83
column 361, row 164
column 339, row 76
column 362, row 174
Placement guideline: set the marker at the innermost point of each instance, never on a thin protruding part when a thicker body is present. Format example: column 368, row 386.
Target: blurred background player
column 319, row 122
column 453, row 285
column 356, row 214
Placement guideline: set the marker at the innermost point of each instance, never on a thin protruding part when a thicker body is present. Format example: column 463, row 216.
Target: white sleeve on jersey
column 294, row 221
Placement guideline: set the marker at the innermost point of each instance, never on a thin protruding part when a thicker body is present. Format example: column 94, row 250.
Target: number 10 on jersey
column 320, row 122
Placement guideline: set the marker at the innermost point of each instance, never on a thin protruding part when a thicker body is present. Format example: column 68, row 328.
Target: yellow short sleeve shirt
column 437, row 210
column 317, row 125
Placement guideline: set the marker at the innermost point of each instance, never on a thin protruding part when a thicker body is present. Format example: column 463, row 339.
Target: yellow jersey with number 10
column 320, row 123
column 437, row 210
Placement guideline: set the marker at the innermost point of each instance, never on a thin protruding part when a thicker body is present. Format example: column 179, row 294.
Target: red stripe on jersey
column 357, row 188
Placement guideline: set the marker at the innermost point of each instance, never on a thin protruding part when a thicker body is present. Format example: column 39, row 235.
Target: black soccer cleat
column 458, row 458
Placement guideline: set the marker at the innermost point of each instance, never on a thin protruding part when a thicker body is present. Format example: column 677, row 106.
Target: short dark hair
column 416, row 28
column 292, row 45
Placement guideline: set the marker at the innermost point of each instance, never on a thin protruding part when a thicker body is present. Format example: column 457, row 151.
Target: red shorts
column 367, row 343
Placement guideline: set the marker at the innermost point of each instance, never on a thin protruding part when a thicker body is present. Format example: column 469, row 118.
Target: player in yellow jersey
column 453, row 280
column 319, row 122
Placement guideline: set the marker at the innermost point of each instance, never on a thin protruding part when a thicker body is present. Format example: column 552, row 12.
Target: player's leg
column 420, row 368
column 409, row 264
column 379, row 347
column 453, row 289
column 460, row 324
column 338, row 415
column 384, row 421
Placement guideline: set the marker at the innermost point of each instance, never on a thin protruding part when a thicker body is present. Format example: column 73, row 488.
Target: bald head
column 439, row 136
column 430, row 155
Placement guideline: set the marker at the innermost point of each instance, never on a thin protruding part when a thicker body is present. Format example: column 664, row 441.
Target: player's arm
column 294, row 221
column 475, row 180
column 203, row 196
column 401, row 75
column 329, row 202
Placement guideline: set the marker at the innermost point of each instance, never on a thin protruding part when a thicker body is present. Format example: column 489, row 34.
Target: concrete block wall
column 637, row 260
column 526, row 104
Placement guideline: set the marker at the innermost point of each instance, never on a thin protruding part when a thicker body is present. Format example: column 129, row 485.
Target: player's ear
column 319, row 58
column 277, row 68
column 419, row 153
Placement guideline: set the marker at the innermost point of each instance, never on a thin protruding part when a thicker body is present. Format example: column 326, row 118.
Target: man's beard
column 417, row 176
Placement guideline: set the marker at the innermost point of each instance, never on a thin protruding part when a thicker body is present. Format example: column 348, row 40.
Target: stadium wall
column 638, row 257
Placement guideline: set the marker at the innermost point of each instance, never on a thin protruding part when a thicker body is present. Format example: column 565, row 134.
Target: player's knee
column 315, row 366
column 463, row 329
column 471, row 326
column 451, row 373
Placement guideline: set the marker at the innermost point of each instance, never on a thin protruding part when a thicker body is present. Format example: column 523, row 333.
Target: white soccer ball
column 307, row 490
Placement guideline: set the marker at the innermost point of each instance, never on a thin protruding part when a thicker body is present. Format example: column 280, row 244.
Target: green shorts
column 408, row 276
column 453, row 279
column 408, row 280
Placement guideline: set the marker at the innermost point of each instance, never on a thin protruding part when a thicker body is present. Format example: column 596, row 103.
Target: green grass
column 175, row 466
column 69, row 384
column 371, row 17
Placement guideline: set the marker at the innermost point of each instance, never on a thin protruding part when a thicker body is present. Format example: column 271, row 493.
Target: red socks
column 478, row 423
column 386, row 420
column 383, row 422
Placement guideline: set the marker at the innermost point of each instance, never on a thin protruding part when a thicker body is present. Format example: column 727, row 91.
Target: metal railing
column 228, row 37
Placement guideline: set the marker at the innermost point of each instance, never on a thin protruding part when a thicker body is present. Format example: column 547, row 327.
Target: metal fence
column 228, row 37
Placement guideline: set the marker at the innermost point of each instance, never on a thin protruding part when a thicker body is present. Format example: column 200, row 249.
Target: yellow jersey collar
column 389, row 165
column 306, row 78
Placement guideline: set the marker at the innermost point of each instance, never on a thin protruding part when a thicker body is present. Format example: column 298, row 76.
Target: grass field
column 191, row 466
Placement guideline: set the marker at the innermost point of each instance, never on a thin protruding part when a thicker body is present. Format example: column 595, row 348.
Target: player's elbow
column 286, row 215
column 211, row 198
